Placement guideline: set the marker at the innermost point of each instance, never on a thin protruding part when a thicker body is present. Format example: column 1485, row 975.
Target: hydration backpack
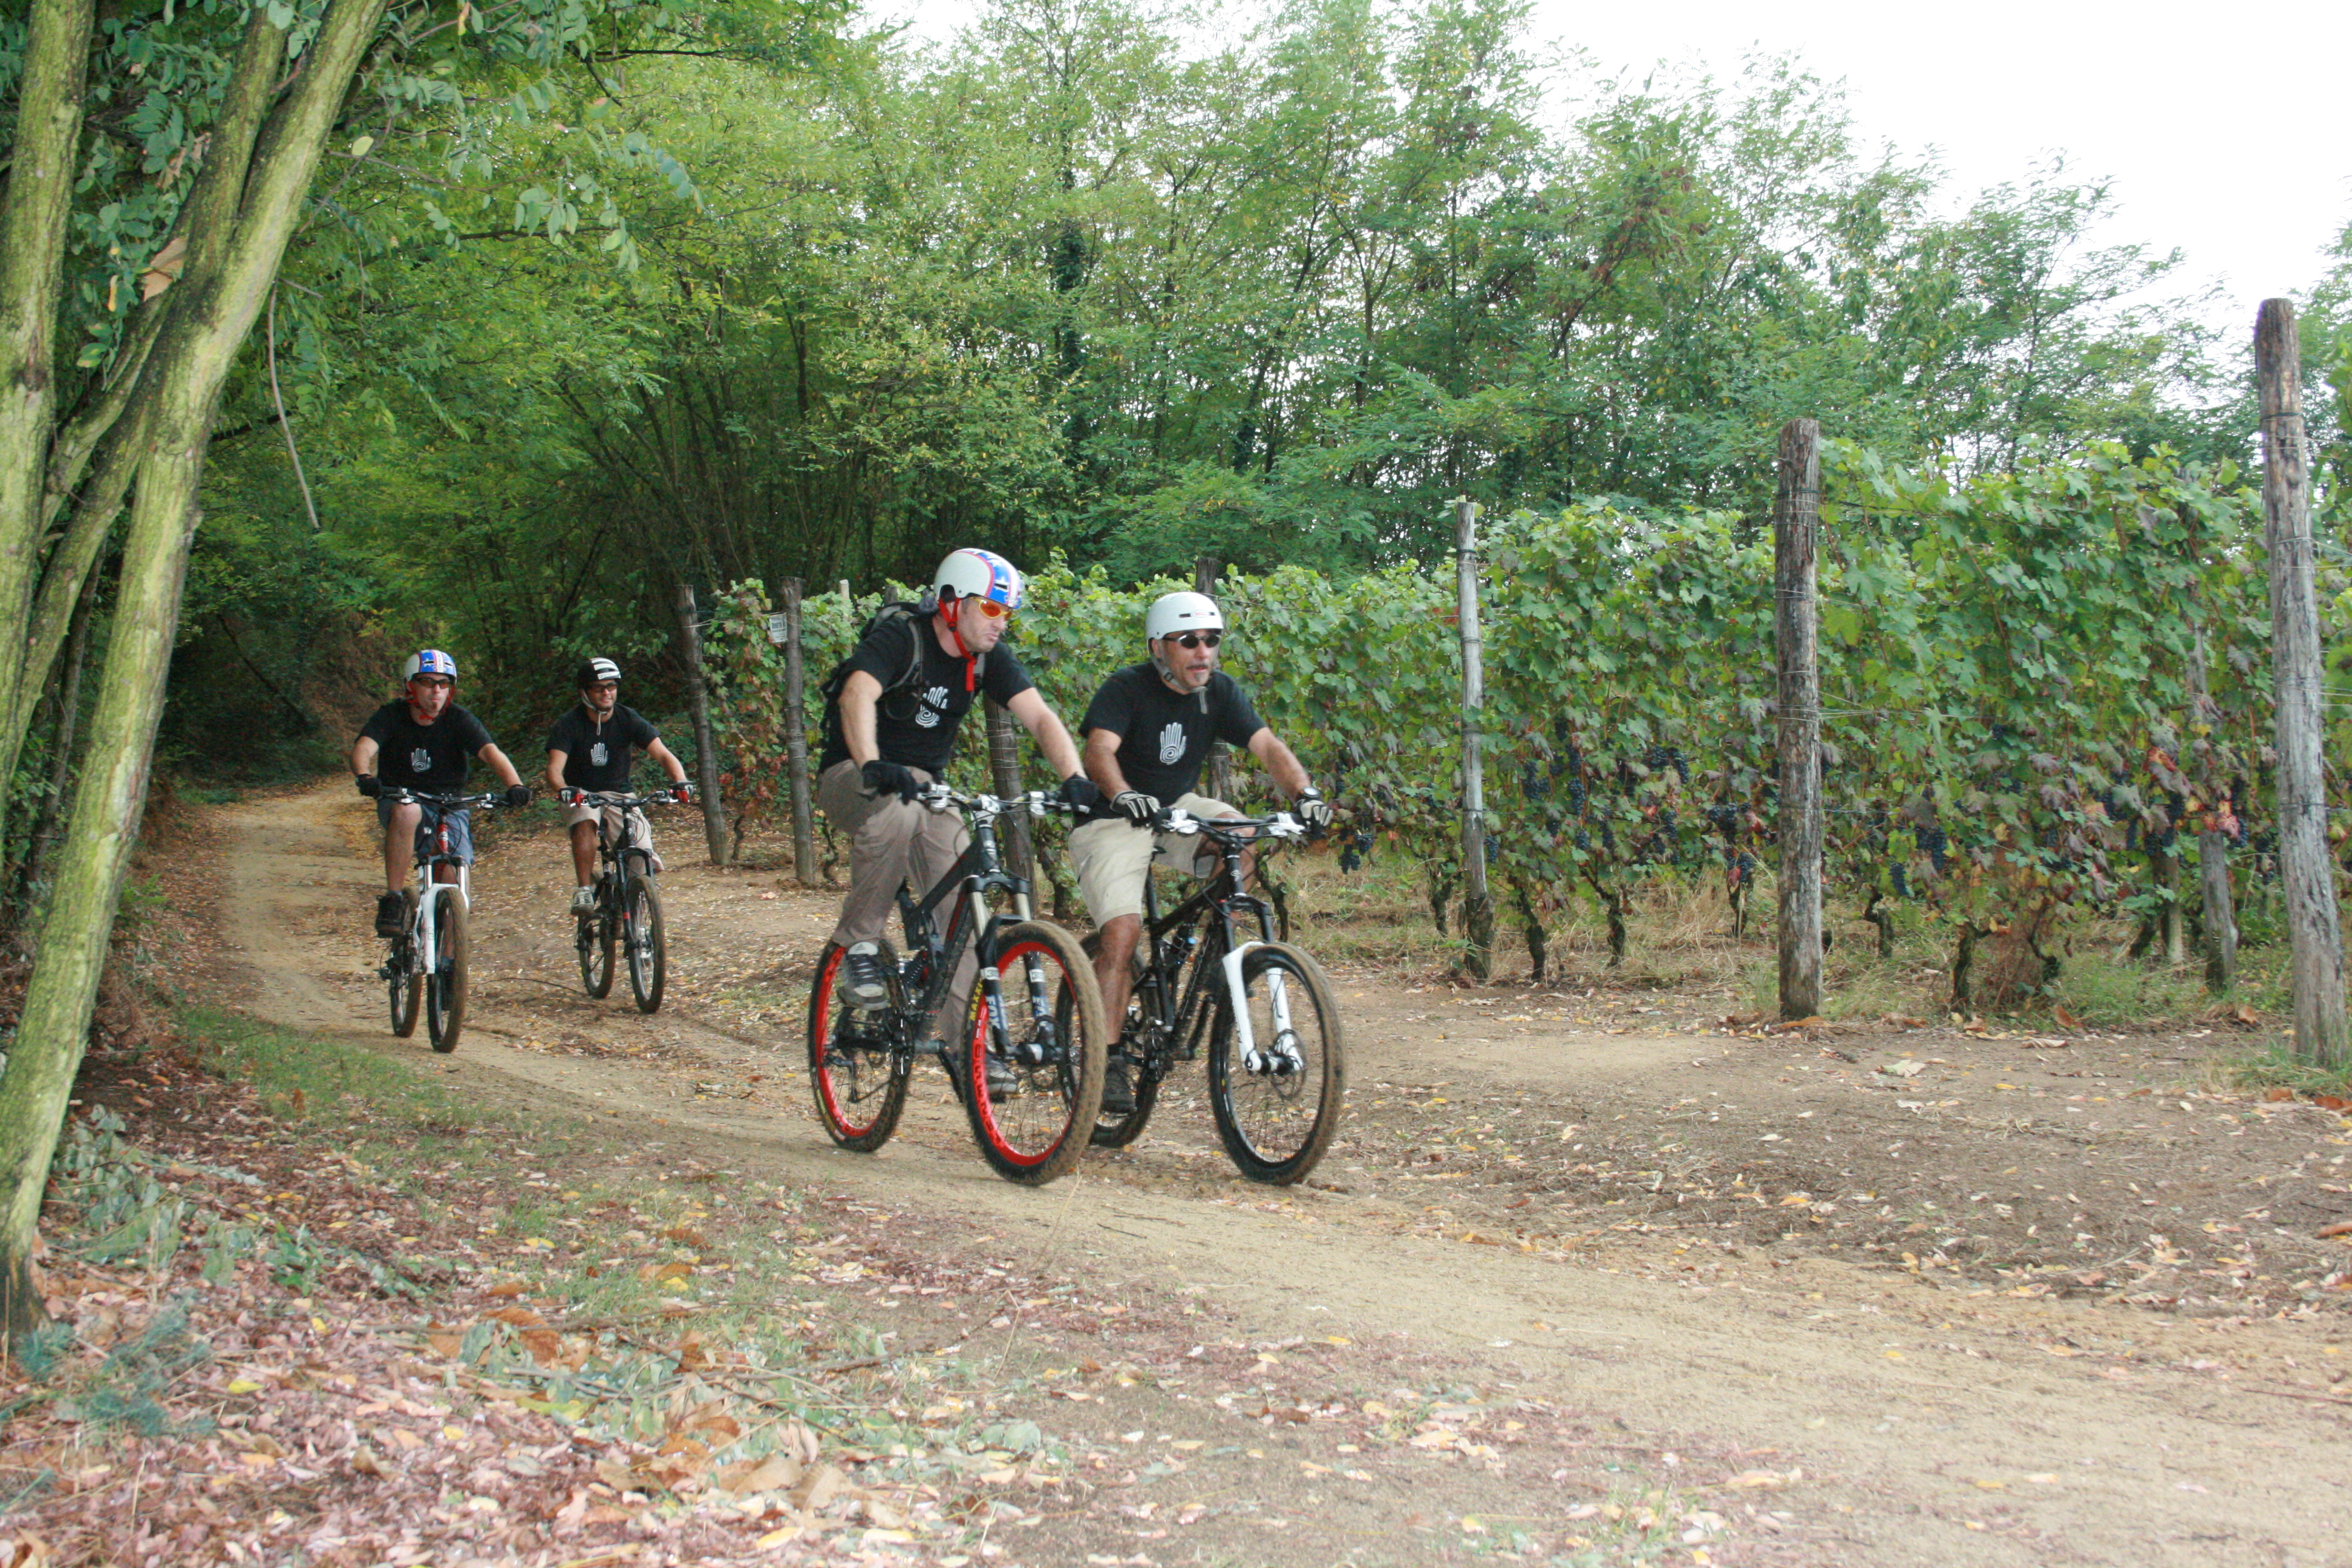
column 902, row 613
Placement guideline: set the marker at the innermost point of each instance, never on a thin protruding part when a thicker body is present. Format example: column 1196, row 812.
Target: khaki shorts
column 1113, row 857
column 639, row 831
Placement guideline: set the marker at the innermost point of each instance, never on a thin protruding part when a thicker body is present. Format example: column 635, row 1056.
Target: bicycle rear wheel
column 860, row 1084
column 444, row 988
column 404, row 985
column 1113, row 1130
column 1276, row 1119
column 1047, row 1068
column 642, row 939
column 593, row 936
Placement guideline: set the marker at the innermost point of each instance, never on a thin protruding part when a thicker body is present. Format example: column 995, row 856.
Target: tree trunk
column 43, row 840
column 1477, row 902
column 1220, row 771
column 698, row 701
column 35, row 210
column 1005, row 778
column 2316, row 939
column 192, row 361
column 1796, row 515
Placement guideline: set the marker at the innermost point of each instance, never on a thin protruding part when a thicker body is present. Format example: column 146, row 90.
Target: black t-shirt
column 598, row 756
column 1164, row 737
column 429, row 757
column 915, row 726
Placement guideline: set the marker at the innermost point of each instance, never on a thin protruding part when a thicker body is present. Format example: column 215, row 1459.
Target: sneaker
column 1119, row 1089
column 862, row 979
column 391, row 914
column 1004, row 1083
column 583, row 900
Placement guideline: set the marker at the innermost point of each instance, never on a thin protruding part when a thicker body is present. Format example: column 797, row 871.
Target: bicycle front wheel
column 642, row 939
column 444, row 988
column 1277, row 1113
column 859, row 1082
column 1032, row 1093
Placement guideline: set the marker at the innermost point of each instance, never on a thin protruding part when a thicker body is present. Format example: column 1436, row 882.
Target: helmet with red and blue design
column 976, row 573
column 428, row 661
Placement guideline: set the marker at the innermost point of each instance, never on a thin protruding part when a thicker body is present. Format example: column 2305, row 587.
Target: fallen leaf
column 2341, row 1227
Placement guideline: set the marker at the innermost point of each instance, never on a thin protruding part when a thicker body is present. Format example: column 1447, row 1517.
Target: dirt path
column 1551, row 1205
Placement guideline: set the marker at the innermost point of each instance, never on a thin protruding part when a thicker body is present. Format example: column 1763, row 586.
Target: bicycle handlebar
column 1236, row 829
column 665, row 796
column 1036, row 801
column 399, row 796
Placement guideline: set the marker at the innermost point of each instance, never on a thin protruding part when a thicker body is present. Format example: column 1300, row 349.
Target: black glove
column 368, row 785
column 1135, row 806
column 1313, row 810
column 517, row 796
column 1082, row 793
column 889, row 778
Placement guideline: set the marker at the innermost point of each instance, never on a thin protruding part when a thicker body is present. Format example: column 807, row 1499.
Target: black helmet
column 597, row 672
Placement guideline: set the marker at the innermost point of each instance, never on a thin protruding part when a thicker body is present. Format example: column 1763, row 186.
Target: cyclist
column 425, row 742
column 902, row 693
column 591, row 748
column 1148, row 732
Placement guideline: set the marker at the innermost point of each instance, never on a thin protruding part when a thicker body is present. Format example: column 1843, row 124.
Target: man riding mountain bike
column 593, row 748
column 1148, row 734
column 901, row 695
column 423, row 742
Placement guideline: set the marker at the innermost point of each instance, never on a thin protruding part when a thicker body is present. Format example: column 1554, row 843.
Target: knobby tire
column 860, row 1089
column 1032, row 1135
column 643, row 939
column 1276, row 1125
column 1112, row 1129
column 444, row 988
column 406, row 987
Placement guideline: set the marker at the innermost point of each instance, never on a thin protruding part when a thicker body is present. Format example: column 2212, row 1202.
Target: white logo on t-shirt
column 933, row 709
column 1171, row 742
column 420, row 760
column 597, row 754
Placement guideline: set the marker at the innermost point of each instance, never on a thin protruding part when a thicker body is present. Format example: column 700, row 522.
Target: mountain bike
column 428, row 959
column 1210, row 971
column 1028, row 1065
column 628, row 912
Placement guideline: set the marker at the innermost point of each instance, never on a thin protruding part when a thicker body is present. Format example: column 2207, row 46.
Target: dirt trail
column 1932, row 1424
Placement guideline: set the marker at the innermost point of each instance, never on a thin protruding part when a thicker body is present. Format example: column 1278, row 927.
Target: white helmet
column 1186, row 612
column 984, row 573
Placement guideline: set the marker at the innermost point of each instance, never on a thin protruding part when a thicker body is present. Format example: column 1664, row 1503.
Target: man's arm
column 555, row 761
column 498, row 764
column 1281, row 762
column 860, row 693
column 1102, row 762
column 363, row 750
column 1044, row 727
column 667, row 759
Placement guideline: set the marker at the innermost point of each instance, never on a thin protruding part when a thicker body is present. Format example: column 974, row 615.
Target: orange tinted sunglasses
column 992, row 609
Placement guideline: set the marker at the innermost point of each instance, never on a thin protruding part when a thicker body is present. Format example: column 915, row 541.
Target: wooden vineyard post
column 1477, row 902
column 2316, row 940
column 1005, row 778
column 1796, row 523
column 1220, row 760
column 698, row 701
column 796, row 740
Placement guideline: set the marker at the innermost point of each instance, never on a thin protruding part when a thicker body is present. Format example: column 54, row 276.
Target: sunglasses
column 992, row 609
column 1197, row 640
column 439, row 682
column 602, row 687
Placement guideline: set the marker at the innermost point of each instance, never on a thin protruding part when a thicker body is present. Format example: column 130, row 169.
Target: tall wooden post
column 1220, row 770
column 2316, row 940
column 1477, row 902
column 698, row 701
column 1005, row 778
column 796, row 758
column 1795, row 523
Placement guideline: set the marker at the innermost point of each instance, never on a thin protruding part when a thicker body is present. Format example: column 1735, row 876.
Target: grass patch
column 301, row 1080
column 2278, row 1068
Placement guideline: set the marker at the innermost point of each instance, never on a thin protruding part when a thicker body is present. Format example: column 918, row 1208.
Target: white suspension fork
column 1278, row 996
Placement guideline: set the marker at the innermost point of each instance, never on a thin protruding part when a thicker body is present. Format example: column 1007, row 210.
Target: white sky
column 2227, row 140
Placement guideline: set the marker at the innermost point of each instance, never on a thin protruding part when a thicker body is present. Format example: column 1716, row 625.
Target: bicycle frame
column 976, row 872
column 431, row 889
column 1229, row 900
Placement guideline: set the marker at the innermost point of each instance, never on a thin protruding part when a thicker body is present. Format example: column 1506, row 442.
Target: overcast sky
column 2228, row 140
